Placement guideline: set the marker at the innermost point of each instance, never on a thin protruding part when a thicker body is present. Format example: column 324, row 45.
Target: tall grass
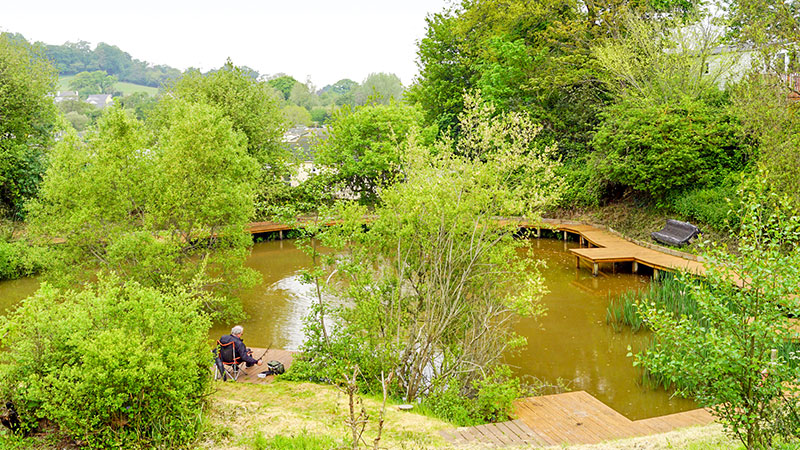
column 667, row 293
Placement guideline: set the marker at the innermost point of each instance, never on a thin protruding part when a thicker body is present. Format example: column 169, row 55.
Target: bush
column 116, row 365
column 20, row 259
column 707, row 205
column 658, row 148
column 491, row 399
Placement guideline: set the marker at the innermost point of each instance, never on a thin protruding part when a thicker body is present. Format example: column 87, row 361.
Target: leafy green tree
column 117, row 365
column 283, row 84
column 365, row 145
column 339, row 93
column 247, row 103
column 296, row 115
column 130, row 203
column 726, row 354
column 97, row 82
column 435, row 269
column 140, row 103
column 304, row 95
column 28, row 118
column 379, row 88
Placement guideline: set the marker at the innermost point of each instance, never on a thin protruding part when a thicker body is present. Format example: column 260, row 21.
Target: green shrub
column 707, row 205
column 583, row 188
column 490, row 401
column 115, row 365
column 658, row 148
column 20, row 259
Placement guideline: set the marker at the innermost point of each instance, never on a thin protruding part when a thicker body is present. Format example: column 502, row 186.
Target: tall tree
column 97, row 82
column 27, row 120
column 247, row 103
column 365, row 145
column 162, row 210
column 379, row 88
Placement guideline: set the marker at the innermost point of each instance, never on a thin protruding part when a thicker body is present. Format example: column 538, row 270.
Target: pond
column 572, row 342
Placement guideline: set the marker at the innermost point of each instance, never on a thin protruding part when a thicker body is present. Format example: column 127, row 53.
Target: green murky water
column 572, row 342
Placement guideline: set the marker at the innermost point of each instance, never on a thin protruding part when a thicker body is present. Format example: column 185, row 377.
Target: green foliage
column 435, row 269
column 128, row 201
column 659, row 148
column 365, row 145
column 246, row 103
column 140, row 103
column 668, row 294
column 116, row 365
column 379, row 88
column 21, row 259
column 711, row 206
column 772, row 121
column 88, row 83
column 284, row 85
column 302, row 441
column 296, row 115
column 29, row 118
column 581, row 184
column 725, row 361
column 74, row 57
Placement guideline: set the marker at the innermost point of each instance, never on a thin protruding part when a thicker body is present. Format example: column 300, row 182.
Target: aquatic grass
column 668, row 293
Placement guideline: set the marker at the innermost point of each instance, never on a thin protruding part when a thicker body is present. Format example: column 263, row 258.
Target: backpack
column 276, row 367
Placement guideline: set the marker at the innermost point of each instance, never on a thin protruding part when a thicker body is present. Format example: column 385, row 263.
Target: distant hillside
column 124, row 87
column 76, row 57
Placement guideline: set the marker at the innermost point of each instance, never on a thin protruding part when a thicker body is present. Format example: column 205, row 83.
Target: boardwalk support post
column 565, row 236
column 595, row 269
column 280, row 234
column 635, row 267
column 538, row 232
column 578, row 262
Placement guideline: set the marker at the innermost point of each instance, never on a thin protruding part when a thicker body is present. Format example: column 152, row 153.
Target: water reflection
column 572, row 342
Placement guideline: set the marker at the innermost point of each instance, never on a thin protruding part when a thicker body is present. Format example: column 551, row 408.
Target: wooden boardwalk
column 604, row 248
column 569, row 419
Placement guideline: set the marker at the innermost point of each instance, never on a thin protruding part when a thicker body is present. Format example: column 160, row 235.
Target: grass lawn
column 125, row 88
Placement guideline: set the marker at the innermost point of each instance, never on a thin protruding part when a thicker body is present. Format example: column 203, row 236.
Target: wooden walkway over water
column 603, row 247
column 569, row 419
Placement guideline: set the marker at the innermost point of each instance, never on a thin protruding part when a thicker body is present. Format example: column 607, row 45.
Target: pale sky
column 323, row 40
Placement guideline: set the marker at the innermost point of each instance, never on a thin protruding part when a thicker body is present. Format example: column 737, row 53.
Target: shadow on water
column 571, row 342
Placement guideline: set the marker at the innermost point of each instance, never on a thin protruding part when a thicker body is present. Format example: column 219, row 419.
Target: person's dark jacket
column 239, row 348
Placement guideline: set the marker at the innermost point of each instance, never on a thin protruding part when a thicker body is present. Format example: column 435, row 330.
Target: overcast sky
column 326, row 40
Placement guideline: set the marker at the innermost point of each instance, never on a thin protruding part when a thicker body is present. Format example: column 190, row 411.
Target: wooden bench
column 676, row 233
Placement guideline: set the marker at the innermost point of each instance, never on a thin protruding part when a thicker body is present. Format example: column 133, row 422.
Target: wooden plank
column 499, row 435
column 511, row 435
column 533, row 435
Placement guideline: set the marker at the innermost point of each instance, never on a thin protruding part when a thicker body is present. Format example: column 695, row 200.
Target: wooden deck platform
column 604, row 247
column 568, row 419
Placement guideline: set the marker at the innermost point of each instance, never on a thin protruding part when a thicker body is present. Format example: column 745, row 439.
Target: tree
column 434, row 283
column 125, row 366
column 726, row 354
column 97, row 82
column 127, row 201
column 379, row 88
column 247, row 103
column 365, row 145
column 296, row 115
column 531, row 56
column 303, row 95
column 339, row 93
column 284, row 85
column 27, row 121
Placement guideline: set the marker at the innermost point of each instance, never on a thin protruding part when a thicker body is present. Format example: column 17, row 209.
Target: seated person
column 242, row 353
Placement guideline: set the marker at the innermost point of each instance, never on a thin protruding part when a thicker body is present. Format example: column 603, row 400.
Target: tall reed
column 667, row 293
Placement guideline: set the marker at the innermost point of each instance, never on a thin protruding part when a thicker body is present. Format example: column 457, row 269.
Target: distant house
column 100, row 100
column 62, row 96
